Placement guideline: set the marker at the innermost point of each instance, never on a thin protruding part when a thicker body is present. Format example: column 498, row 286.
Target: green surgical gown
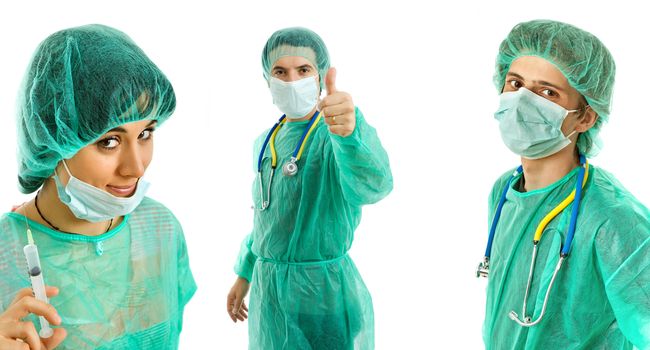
column 125, row 289
column 306, row 292
column 601, row 297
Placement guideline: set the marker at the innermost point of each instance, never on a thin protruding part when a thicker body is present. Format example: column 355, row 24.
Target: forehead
column 293, row 54
column 290, row 62
column 534, row 69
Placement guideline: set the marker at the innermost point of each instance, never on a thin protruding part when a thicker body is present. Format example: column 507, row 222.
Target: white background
column 422, row 76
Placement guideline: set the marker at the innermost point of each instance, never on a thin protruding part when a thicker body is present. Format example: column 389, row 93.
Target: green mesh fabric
column 125, row 289
column 601, row 294
column 306, row 292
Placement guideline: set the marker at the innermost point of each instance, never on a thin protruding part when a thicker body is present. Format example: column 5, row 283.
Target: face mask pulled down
column 92, row 204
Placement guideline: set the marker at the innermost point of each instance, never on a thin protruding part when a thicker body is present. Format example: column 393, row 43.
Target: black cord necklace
column 49, row 223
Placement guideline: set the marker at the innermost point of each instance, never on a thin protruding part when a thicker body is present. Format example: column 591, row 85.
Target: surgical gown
column 125, row 289
column 306, row 292
column 601, row 297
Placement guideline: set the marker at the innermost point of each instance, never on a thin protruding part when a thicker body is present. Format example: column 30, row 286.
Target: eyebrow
column 540, row 82
column 123, row 131
column 300, row 67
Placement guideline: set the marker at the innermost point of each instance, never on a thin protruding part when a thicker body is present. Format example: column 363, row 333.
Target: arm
column 362, row 164
column 246, row 259
column 623, row 257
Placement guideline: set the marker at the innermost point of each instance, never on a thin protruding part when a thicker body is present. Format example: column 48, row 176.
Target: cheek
column 147, row 154
column 92, row 167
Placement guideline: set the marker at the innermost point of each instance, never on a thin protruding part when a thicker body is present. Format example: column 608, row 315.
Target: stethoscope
column 483, row 268
column 290, row 168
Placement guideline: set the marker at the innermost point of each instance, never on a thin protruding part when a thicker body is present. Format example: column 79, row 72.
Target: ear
column 588, row 120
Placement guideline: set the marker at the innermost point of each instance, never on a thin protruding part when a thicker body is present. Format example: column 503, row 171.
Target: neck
column 59, row 215
column 539, row 173
column 307, row 117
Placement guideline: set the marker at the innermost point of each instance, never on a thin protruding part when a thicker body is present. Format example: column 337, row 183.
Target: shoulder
column 502, row 181
column 613, row 208
column 8, row 228
column 152, row 212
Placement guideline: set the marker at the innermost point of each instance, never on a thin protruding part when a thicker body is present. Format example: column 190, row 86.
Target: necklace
column 49, row 223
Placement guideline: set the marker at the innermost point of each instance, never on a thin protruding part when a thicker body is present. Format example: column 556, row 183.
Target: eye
column 515, row 84
column 109, row 143
column 549, row 93
column 305, row 70
column 146, row 134
column 278, row 72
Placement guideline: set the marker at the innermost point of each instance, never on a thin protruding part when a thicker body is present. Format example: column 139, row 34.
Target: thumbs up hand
column 337, row 108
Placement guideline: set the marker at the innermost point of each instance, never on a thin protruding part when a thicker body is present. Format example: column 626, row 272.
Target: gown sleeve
column 246, row 259
column 363, row 168
column 623, row 256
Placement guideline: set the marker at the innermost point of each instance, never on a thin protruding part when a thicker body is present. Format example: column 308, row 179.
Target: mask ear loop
column 583, row 109
column 65, row 165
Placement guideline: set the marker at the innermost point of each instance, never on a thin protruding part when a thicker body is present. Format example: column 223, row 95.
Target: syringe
column 36, row 277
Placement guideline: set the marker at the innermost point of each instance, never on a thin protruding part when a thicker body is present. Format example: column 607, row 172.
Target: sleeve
column 362, row 163
column 186, row 284
column 246, row 259
column 623, row 258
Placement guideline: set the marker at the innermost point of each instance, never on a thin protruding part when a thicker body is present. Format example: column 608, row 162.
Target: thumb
column 330, row 81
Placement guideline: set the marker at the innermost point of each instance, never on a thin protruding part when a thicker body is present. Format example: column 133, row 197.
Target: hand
column 235, row 305
column 18, row 334
column 337, row 108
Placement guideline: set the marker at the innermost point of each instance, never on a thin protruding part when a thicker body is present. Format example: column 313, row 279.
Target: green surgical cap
column 579, row 55
column 81, row 83
column 300, row 42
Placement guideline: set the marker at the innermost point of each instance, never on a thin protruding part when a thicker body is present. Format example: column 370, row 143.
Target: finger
column 27, row 305
column 244, row 307
column 330, row 81
column 230, row 305
column 339, row 109
column 24, row 331
column 10, row 344
column 27, row 292
column 335, row 99
column 238, row 304
column 341, row 130
column 56, row 338
column 337, row 120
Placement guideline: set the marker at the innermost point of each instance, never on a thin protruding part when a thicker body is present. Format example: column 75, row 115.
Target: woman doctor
column 88, row 107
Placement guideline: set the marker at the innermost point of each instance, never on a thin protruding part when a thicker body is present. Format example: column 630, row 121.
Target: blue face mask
column 530, row 125
column 89, row 203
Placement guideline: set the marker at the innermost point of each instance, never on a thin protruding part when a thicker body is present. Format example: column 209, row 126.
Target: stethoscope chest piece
column 290, row 168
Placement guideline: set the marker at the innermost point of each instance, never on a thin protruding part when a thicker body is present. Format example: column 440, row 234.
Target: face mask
column 295, row 98
column 531, row 125
column 89, row 203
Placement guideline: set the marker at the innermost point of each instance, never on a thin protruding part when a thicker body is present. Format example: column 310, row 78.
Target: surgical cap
column 300, row 42
column 579, row 55
column 81, row 83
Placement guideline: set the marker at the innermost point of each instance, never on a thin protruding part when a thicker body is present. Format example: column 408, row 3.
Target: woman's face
column 543, row 78
column 292, row 68
column 116, row 161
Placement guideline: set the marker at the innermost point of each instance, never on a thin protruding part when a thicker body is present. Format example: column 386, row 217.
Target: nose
column 133, row 162
column 293, row 75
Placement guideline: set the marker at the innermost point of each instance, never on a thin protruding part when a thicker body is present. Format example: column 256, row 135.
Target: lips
column 121, row 191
